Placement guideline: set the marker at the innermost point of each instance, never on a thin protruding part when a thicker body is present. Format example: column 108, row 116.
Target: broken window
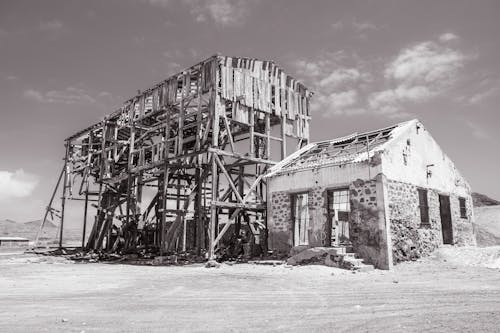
column 463, row 208
column 300, row 212
column 424, row 206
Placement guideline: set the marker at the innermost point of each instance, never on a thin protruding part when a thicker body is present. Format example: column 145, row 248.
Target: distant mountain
column 7, row 221
column 28, row 230
column 480, row 200
column 48, row 223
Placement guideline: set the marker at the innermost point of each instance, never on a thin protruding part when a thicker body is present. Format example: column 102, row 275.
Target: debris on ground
column 328, row 256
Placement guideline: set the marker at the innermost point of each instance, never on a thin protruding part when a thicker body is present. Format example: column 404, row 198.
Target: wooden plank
column 229, row 180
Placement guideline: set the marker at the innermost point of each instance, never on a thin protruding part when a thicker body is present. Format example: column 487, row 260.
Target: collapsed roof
column 353, row 148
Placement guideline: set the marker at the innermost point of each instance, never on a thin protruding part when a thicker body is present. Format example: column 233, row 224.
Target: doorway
column 338, row 216
column 445, row 212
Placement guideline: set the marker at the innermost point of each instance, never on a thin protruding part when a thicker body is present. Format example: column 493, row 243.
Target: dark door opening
column 445, row 212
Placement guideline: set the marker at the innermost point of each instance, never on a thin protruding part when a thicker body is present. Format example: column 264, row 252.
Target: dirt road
column 50, row 296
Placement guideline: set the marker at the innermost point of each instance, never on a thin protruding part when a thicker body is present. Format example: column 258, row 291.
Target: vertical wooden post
column 85, row 209
column 63, row 199
column 215, row 179
column 130, row 180
column 198, row 225
column 164, row 189
column 268, row 133
column 252, row 130
column 283, row 137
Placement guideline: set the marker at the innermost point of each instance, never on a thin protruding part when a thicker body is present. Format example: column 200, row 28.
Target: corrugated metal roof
column 353, row 148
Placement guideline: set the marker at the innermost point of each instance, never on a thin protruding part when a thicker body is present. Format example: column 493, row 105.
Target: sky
column 65, row 64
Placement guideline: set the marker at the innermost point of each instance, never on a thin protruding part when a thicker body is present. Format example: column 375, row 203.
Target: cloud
column 345, row 84
column 339, row 25
column 70, row 95
column 341, row 76
column 477, row 131
column 51, row 26
column 160, row 3
column 361, row 28
column 17, row 184
column 337, row 80
column 417, row 74
column 222, row 12
column 448, row 36
column 11, row 77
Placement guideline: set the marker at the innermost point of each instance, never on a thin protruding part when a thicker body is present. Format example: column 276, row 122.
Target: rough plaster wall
column 325, row 176
column 411, row 240
column 409, row 156
column 367, row 231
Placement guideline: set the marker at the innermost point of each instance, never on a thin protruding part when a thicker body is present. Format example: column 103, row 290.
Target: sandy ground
column 439, row 294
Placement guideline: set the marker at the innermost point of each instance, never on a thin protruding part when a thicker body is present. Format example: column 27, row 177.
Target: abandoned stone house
column 390, row 195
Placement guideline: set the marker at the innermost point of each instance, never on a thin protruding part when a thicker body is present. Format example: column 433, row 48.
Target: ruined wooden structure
column 201, row 141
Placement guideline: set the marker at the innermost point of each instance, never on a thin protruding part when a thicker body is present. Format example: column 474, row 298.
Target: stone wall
column 367, row 220
column 411, row 239
column 280, row 223
column 463, row 233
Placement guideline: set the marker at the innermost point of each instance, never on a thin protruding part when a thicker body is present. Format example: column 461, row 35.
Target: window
column 338, row 212
column 424, row 206
column 463, row 208
column 300, row 211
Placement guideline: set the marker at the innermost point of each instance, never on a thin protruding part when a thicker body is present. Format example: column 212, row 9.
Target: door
column 338, row 215
column 444, row 210
column 301, row 219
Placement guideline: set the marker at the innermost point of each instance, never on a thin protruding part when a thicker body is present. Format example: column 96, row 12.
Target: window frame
column 294, row 196
column 462, row 209
column 423, row 206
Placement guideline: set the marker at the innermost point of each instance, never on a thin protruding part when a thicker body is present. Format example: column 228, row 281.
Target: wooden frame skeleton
column 202, row 140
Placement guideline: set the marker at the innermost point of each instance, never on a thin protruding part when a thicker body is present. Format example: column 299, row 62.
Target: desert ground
column 457, row 289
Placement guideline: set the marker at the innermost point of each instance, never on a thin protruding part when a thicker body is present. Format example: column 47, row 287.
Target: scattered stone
column 212, row 264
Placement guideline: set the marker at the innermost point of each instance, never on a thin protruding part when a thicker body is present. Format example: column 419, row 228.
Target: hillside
column 28, row 230
column 487, row 225
column 480, row 200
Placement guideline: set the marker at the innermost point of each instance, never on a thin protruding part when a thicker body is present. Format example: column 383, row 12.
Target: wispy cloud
column 17, row 184
column 11, row 77
column 364, row 26
column 69, row 95
column 51, row 26
column 222, row 12
column 417, row 74
column 448, row 36
column 345, row 84
column 361, row 28
column 338, row 81
column 477, row 131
